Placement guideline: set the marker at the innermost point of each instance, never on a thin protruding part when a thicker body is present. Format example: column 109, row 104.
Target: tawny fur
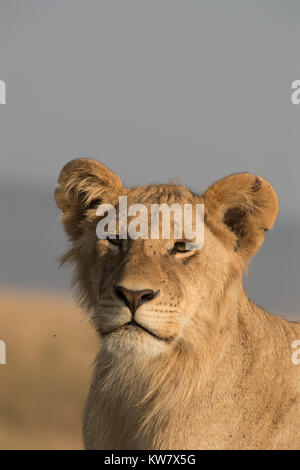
column 219, row 373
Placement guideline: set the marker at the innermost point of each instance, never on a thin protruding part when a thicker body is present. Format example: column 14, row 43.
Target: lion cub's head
column 149, row 295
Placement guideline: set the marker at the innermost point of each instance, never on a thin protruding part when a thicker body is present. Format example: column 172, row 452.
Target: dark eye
column 114, row 241
column 94, row 204
column 180, row 247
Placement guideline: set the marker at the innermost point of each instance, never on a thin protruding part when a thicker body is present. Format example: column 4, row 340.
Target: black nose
column 134, row 298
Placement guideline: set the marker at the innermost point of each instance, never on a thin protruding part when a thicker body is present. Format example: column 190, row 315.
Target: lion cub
column 187, row 361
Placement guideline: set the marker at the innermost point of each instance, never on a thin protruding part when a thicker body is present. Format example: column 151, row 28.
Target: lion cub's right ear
column 84, row 183
column 241, row 208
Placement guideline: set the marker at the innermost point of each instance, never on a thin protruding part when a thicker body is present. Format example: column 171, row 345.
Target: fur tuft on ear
column 84, row 183
column 240, row 209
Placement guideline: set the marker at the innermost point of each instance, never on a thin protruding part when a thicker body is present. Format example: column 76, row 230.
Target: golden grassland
column 50, row 350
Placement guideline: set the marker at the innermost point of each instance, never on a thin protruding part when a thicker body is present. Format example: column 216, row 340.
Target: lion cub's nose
column 134, row 298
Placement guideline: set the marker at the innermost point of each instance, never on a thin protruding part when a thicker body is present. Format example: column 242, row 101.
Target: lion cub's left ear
column 84, row 183
column 240, row 209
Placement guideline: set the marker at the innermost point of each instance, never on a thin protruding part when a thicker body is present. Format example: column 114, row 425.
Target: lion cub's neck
column 141, row 400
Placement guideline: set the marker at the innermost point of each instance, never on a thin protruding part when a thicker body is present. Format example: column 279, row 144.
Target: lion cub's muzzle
column 131, row 317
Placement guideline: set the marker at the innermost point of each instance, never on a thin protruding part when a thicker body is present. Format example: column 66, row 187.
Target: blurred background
column 159, row 91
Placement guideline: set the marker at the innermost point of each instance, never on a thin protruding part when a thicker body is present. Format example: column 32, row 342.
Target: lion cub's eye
column 180, row 247
column 114, row 241
column 94, row 204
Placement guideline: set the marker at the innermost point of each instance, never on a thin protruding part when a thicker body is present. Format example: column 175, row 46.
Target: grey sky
column 158, row 90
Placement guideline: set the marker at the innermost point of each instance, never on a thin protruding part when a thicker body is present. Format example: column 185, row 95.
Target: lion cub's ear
column 240, row 209
column 84, row 184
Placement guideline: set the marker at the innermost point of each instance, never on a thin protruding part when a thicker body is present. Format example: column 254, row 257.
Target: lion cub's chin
column 134, row 341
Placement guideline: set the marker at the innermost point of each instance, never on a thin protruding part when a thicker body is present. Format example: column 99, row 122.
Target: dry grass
column 50, row 349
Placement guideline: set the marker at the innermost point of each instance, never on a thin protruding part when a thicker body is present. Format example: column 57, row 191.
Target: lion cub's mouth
column 134, row 324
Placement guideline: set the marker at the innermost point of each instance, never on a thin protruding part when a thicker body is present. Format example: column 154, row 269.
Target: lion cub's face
column 150, row 295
